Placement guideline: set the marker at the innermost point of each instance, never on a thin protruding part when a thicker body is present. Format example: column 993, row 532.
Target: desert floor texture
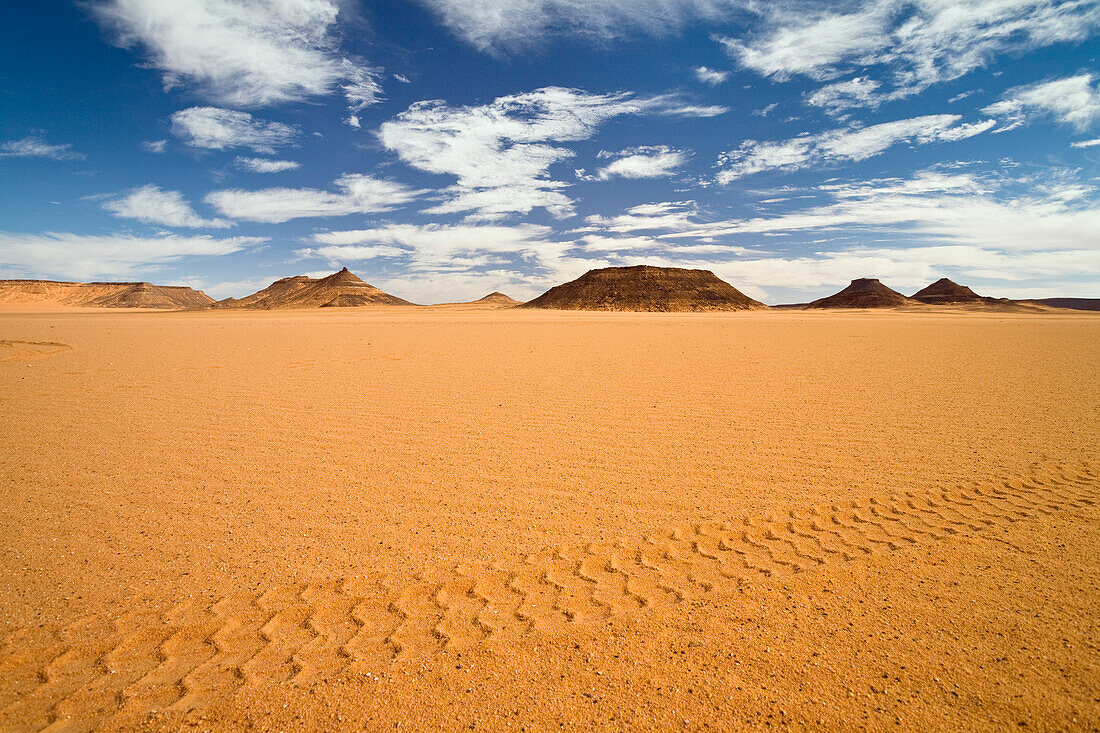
column 409, row 518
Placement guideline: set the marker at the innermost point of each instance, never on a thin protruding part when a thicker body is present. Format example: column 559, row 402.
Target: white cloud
column 1071, row 101
column 661, row 216
column 429, row 244
column 501, row 153
column 84, row 257
column 493, row 25
column 155, row 146
column 842, row 96
column 266, row 165
column 958, row 208
column 922, row 42
column 844, row 145
column 151, row 205
column 217, row 129
column 357, row 194
column 1086, row 143
column 33, row 147
column 765, row 111
column 811, row 43
column 673, row 105
column 655, row 161
column 445, row 263
column 711, row 76
column 242, row 53
column 982, row 228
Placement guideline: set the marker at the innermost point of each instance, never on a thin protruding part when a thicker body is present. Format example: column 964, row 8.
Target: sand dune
column 645, row 288
column 438, row 518
column 101, row 294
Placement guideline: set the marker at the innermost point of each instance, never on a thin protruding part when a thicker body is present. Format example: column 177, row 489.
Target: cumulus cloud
column 242, row 53
column 494, row 25
column 217, row 129
column 89, row 257
column 921, row 42
column 653, row 161
column 501, row 153
column 151, row 205
column 844, row 145
column 356, row 194
column 711, row 76
column 265, row 165
column 1072, row 101
column 33, row 147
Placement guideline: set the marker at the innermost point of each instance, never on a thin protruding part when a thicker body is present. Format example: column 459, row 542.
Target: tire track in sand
column 26, row 350
column 140, row 659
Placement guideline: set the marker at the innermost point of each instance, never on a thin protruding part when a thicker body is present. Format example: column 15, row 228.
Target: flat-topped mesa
column 864, row 292
column 646, row 288
column 343, row 289
column 103, row 294
column 945, row 291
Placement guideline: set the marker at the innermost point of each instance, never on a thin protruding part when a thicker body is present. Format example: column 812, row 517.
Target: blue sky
column 443, row 149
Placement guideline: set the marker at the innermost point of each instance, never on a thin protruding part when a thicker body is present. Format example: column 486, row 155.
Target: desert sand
column 406, row 518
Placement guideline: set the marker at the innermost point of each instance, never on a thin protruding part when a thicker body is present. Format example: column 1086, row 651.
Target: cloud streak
column 88, row 257
column 355, row 194
column 151, row 205
column 510, row 25
column 850, row 144
column 213, row 128
column 34, row 147
column 920, row 42
column 1071, row 101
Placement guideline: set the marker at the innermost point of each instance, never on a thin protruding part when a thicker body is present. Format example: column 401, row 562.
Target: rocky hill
column 102, row 294
column 945, row 291
column 646, row 288
column 340, row 290
column 864, row 292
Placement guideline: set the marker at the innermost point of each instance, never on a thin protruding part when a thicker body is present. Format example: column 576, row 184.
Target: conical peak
column 344, row 276
column 946, row 291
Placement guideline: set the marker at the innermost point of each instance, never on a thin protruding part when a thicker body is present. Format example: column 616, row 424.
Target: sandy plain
column 456, row 519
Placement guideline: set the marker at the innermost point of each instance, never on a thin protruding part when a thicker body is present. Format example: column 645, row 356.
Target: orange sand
column 421, row 518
